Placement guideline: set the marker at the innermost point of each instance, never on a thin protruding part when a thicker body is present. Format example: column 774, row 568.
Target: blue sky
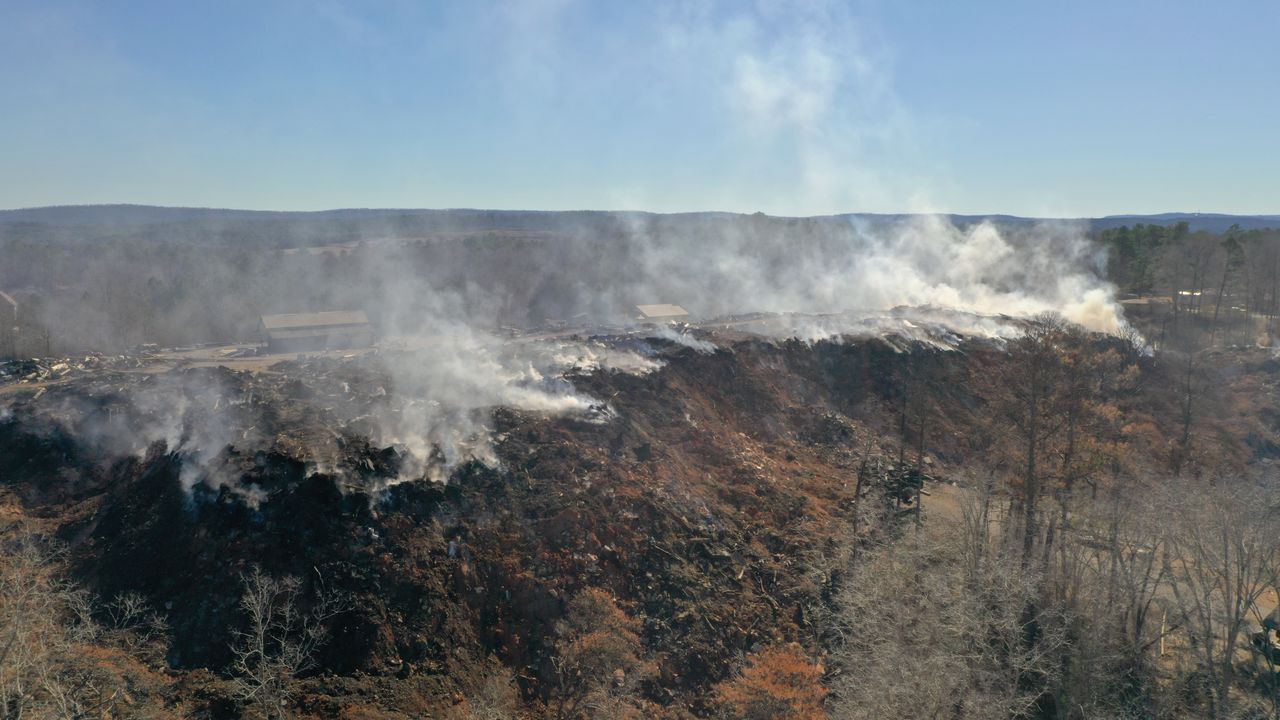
column 806, row 107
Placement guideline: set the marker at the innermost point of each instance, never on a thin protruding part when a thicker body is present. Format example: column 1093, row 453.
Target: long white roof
column 662, row 311
column 292, row 321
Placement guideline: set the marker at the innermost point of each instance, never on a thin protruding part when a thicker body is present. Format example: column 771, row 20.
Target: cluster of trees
column 1075, row 580
column 1149, row 608
column 64, row 653
column 600, row 670
column 1138, row 254
column 67, row 654
column 1092, row 568
column 1226, row 285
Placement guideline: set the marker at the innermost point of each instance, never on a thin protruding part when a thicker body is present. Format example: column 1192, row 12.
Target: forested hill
column 1208, row 222
column 135, row 220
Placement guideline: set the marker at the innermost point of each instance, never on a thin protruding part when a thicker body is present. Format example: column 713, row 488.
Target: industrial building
column 306, row 332
column 661, row 313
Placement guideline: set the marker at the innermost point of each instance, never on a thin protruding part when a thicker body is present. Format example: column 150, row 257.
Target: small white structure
column 660, row 313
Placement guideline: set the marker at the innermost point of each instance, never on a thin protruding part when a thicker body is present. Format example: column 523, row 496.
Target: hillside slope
column 702, row 506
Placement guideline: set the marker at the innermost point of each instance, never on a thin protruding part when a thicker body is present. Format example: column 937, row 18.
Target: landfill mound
column 702, row 496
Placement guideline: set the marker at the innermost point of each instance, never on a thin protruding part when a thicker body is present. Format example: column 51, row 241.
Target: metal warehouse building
column 302, row 332
column 653, row 313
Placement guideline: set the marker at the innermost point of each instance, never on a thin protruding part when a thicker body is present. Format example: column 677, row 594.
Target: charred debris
column 708, row 501
column 695, row 504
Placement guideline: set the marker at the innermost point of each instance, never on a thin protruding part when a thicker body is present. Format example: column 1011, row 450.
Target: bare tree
column 45, row 623
column 281, row 638
column 1222, row 553
column 934, row 625
column 1130, row 562
column 492, row 695
column 1109, row 588
column 132, row 623
column 1031, row 398
column 1233, row 258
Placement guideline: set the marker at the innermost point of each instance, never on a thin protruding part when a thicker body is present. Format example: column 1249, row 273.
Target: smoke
column 582, row 356
column 431, row 400
column 476, row 315
column 1052, row 267
column 196, row 414
column 810, row 85
column 442, row 301
column 852, row 268
column 805, row 98
column 444, row 393
column 924, row 279
column 685, row 339
column 901, row 327
column 803, row 95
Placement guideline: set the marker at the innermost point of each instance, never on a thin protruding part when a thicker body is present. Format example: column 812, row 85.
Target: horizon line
column 104, row 205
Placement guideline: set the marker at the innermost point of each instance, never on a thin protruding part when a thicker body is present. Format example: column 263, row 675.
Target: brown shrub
column 778, row 683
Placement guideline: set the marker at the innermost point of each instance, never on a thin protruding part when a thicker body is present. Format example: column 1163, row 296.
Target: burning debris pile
column 423, row 413
column 904, row 327
column 700, row 493
column 692, row 499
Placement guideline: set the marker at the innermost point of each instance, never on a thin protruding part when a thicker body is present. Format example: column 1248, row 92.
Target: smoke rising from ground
column 835, row 278
column 446, row 390
column 684, row 338
column 923, row 261
column 447, row 300
column 805, row 97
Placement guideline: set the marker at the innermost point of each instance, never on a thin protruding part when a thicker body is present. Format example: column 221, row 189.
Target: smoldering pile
column 368, row 422
column 848, row 271
column 901, row 327
column 438, row 411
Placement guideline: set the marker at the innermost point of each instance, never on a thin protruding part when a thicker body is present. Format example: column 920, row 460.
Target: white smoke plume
column 807, row 99
column 867, row 268
column 574, row 356
column 685, row 339
column 445, row 393
column 447, row 364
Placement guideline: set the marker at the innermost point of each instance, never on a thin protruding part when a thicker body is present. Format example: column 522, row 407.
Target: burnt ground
column 699, row 505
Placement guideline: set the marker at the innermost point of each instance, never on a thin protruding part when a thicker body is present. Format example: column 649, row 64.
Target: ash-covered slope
column 703, row 499
column 692, row 505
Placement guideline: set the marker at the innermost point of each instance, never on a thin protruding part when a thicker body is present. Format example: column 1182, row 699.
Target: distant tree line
column 1224, row 285
column 1078, row 578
